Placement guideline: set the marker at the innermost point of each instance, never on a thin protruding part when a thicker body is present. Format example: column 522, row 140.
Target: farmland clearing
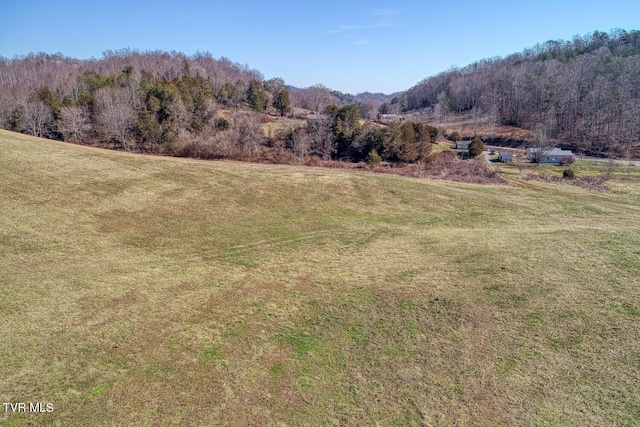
column 144, row 290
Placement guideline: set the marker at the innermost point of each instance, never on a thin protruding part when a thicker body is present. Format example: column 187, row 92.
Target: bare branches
column 37, row 118
column 73, row 123
column 115, row 116
column 586, row 95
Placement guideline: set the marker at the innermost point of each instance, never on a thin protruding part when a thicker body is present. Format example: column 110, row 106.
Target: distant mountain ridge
column 341, row 98
column 369, row 96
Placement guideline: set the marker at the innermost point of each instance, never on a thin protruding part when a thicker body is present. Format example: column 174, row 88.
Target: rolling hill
column 144, row 290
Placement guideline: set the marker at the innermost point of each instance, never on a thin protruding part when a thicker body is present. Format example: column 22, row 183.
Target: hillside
column 582, row 94
column 195, row 106
column 144, row 290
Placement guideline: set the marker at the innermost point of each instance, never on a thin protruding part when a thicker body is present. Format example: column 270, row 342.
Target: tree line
column 149, row 101
column 584, row 92
column 130, row 99
column 193, row 106
column 340, row 134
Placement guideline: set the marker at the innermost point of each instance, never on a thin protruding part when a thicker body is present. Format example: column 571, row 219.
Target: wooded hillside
column 195, row 106
column 582, row 94
column 585, row 92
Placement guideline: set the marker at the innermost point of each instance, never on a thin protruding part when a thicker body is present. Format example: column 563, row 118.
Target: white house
column 548, row 155
column 505, row 157
column 462, row 145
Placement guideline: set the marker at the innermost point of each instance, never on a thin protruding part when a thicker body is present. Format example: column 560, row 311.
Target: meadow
column 144, row 290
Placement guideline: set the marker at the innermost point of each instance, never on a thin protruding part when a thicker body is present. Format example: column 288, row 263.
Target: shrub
column 567, row 161
column 568, row 173
column 222, row 123
column 455, row 137
column 373, row 158
column 476, row 147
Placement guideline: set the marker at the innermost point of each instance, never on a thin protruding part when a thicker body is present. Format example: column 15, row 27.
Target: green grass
column 619, row 170
column 441, row 146
column 140, row 290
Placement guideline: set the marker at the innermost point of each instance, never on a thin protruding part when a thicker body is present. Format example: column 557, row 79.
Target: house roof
column 552, row 151
column 558, row 152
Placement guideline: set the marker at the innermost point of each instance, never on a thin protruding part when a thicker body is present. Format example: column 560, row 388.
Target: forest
column 196, row 106
column 583, row 94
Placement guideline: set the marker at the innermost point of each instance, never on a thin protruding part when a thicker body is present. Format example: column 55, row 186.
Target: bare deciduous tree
column 115, row 116
column 540, row 144
column 369, row 109
column 321, row 138
column 301, row 143
column 37, row 118
column 223, row 143
column 317, row 97
column 518, row 161
column 73, row 123
column 610, row 166
column 6, row 107
column 249, row 133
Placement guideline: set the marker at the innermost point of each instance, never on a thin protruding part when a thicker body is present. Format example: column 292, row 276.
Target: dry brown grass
column 470, row 127
column 141, row 290
column 442, row 164
column 447, row 165
column 588, row 183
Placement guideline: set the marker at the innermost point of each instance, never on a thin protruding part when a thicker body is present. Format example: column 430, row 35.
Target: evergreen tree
column 49, row 98
column 476, row 147
column 257, row 96
column 282, row 101
column 346, row 128
column 230, row 95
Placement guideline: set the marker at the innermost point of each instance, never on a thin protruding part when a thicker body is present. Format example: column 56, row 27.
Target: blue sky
column 351, row 46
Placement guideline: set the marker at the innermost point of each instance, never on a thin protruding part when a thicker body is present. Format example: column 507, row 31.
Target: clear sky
column 351, row 46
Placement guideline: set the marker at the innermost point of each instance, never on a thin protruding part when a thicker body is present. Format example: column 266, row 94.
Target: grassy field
column 140, row 290
column 619, row 170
